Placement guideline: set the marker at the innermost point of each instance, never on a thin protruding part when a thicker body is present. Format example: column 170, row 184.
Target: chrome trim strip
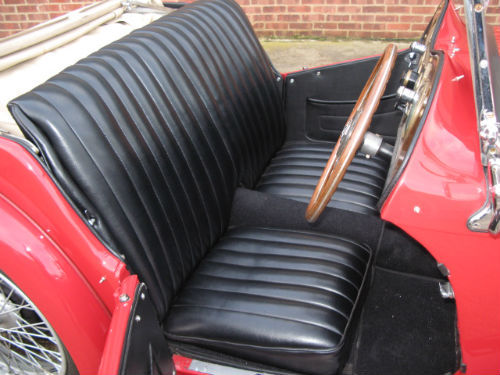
column 487, row 218
column 202, row 367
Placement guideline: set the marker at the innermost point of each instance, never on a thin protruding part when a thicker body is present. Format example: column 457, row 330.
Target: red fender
column 40, row 268
column 24, row 182
column 52, row 255
column 441, row 187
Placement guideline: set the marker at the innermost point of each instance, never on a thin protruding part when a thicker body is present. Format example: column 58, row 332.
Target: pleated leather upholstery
column 150, row 137
column 297, row 290
column 154, row 132
column 295, row 170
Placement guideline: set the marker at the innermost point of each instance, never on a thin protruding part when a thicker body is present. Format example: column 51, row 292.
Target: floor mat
column 406, row 328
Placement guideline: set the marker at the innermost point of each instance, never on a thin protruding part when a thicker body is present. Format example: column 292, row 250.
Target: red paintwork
column 112, row 354
column 497, row 37
column 182, row 366
column 444, row 178
column 64, row 284
column 42, row 270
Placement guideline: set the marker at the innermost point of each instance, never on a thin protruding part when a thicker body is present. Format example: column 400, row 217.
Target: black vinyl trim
column 145, row 350
column 168, row 4
column 301, row 112
column 321, row 101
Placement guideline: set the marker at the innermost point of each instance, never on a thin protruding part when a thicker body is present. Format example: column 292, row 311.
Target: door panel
column 318, row 101
column 326, row 119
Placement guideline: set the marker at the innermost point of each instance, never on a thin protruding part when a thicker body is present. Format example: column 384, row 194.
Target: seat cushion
column 296, row 168
column 277, row 297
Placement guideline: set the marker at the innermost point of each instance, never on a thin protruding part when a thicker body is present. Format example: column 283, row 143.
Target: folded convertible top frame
column 55, row 33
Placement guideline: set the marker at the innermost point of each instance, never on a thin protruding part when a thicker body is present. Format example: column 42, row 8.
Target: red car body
column 442, row 185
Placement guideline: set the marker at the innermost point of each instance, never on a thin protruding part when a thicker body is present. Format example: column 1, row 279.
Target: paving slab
column 292, row 55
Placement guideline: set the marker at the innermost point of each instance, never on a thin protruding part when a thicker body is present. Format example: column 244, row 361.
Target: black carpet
column 406, row 328
column 254, row 208
column 400, row 252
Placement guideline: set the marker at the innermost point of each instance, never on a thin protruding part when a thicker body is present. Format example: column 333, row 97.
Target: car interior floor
column 405, row 328
column 405, row 325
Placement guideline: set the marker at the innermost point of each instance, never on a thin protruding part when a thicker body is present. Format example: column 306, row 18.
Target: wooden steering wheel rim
column 352, row 135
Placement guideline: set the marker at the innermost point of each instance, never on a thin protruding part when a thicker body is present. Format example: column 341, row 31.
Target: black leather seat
column 296, row 290
column 150, row 138
column 296, row 168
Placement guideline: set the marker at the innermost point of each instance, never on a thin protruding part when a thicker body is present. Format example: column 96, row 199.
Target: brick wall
column 280, row 18
column 17, row 15
column 337, row 18
column 400, row 19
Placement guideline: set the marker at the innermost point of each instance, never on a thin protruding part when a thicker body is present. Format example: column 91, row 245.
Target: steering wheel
column 352, row 135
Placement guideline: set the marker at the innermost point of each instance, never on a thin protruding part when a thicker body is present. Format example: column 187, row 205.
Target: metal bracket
column 371, row 144
column 127, row 4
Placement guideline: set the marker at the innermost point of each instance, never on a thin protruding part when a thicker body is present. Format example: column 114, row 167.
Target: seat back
column 151, row 135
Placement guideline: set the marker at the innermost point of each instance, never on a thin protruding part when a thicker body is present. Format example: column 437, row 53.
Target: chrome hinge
column 487, row 219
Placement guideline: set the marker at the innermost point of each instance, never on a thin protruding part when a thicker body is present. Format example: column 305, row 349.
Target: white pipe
column 60, row 40
column 57, row 26
column 148, row 6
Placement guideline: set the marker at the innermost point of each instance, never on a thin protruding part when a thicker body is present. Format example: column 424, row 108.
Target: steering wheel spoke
column 352, row 135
